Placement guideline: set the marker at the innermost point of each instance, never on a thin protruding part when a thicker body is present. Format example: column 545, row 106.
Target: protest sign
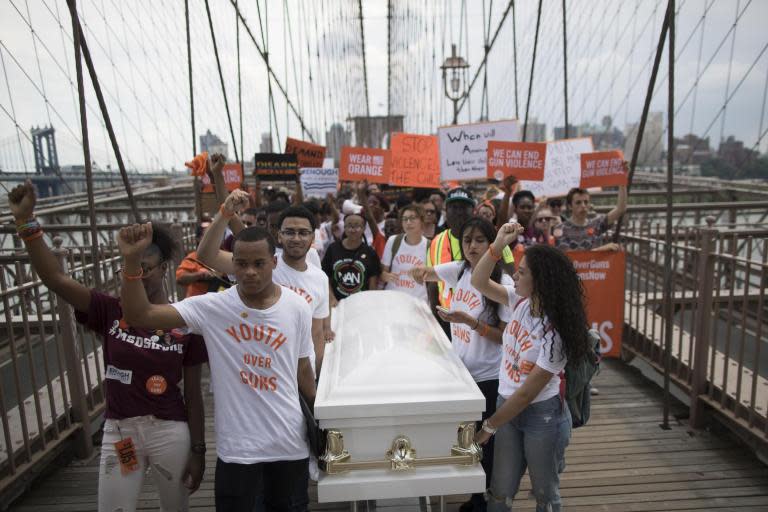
column 523, row 160
column 562, row 167
column 318, row 181
column 233, row 177
column 602, row 169
column 307, row 154
column 463, row 148
column 358, row 164
column 602, row 275
column 275, row 166
column 415, row 161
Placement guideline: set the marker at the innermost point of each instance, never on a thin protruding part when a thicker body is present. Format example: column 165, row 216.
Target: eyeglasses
column 546, row 219
column 291, row 233
column 410, row 218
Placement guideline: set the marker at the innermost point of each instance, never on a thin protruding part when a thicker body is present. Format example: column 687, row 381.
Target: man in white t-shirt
column 259, row 345
column 405, row 251
column 294, row 271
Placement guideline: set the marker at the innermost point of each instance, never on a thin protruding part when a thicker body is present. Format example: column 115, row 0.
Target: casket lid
column 391, row 358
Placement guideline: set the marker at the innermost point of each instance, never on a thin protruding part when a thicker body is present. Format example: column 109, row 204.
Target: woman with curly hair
column 547, row 327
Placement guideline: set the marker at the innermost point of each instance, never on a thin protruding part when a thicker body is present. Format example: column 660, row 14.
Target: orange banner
column 415, row 161
column 233, row 177
column 602, row 169
column 307, row 154
column 602, row 274
column 523, row 160
column 358, row 164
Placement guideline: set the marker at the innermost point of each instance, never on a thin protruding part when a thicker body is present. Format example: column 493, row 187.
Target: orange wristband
column 225, row 213
column 133, row 278
column 493, row 253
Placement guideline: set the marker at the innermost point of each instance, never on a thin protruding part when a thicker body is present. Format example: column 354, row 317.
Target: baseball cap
column 459, row 194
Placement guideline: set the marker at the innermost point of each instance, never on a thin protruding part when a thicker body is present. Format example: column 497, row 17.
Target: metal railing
column 720, row 312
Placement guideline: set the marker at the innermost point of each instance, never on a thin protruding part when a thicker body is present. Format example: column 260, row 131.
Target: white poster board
column 562, row 167
column 319, row 181
column 463, row 148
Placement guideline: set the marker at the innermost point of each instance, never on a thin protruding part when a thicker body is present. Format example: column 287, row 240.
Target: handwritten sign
column 275, row 166
column 233, row 177
column 307, row 154
column 415, row 161
column 319, row 182
column 523, row 160
column 358, row 164
column 562, row 167
column 602, row 169
column 463, row 148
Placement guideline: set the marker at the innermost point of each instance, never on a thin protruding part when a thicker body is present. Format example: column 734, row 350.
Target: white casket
column 398, row 404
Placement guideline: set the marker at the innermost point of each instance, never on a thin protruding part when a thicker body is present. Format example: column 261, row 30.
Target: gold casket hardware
column 401, row 456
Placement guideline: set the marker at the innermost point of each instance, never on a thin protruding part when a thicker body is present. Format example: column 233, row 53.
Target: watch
column 198, row 448
column 488, row 428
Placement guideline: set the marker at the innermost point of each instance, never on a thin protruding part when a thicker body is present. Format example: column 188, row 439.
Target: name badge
column 124, row 376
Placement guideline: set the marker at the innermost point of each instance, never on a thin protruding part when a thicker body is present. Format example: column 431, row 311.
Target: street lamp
column 456, row 65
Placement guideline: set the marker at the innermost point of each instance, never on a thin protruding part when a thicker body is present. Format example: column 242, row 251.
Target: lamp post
column 456, row 66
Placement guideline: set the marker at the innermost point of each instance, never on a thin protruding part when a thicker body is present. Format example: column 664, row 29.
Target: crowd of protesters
column 270, row 266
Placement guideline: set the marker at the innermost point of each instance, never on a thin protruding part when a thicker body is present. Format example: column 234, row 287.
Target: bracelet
column 29, row 230
column 33, row 236
column 488, row 428
column 224, row 213
column 493, row 253
column 132, row 278
column 198, row 448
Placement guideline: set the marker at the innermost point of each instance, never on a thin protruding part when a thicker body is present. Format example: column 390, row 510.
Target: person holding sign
column 547, row 327
column 149, row 421
column 579, row 233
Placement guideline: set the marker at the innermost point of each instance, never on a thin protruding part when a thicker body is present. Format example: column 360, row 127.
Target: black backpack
column 578, row 376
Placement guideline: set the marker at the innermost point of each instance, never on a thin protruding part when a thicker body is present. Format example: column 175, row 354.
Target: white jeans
column 162, row 450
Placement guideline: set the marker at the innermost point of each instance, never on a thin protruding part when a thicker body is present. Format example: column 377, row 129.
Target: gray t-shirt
column 572, row 237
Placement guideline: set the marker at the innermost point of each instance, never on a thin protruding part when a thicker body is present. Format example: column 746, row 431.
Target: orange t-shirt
column 189, row 265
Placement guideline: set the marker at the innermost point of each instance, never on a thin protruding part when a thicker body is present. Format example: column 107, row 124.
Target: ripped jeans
column 536, row 439
column 162, row 447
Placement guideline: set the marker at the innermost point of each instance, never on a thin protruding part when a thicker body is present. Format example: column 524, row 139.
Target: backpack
column 396, row 243
column 578, row 375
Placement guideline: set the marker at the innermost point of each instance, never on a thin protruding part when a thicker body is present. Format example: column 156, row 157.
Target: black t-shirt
column 349, row 270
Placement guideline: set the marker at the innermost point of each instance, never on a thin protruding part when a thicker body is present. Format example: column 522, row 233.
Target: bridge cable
column 533, row 63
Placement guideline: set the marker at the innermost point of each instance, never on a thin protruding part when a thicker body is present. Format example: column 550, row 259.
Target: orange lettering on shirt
column 258, row 333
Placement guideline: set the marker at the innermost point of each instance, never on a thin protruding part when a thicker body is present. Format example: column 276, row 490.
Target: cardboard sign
column 415, row 161
column 233, row 178
column 602, row 275
column 464, row 148
column 602, row 169
column 523, row 160
column 307, row 154
column 318, row 181
column 358, row 164
column 562, row 167
column 275, row 166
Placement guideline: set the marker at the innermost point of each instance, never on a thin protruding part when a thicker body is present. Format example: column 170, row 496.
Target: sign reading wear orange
column 602, row 169
column 307, row 154
column 602, row 274
column 233, row 178
column 358, row 164
column 415, row 161
column 523, row 160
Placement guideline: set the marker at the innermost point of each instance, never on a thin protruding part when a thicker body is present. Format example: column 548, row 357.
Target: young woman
column 146, row 416
column 404, row 252
column 476, row 321
column 430, row 218
column 546, row 328
column 351, row 264
column 486, row 210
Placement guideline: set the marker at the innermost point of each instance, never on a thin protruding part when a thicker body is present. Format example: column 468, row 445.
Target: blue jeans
column 535, row 440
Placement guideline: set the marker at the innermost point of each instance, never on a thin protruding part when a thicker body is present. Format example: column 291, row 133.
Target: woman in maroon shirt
column 149, row 423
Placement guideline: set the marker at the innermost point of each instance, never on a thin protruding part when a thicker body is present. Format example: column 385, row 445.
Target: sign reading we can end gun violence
column 602, row 169
column 358, row 164
column 275, row 166
column 415, row 161
column 523, row 160
column 307, row 154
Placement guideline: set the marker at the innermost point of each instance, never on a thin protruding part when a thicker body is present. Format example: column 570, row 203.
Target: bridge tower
column 46, row 161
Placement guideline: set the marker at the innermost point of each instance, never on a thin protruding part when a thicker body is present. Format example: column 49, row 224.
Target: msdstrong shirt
column 254, row 356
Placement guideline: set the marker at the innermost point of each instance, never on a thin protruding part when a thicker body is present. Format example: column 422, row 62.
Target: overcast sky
column 139, row 48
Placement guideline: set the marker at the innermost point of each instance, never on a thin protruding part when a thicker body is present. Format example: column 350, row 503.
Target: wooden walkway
column 622, row 461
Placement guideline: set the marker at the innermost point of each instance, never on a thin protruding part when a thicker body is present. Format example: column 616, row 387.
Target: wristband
column 132, row 278
column 33, row 236
column 493, row 254
column 29, row 230
column 198, row 448
column 488, row 428
column 224, row 213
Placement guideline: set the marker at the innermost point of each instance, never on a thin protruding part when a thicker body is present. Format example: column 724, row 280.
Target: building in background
column 652, row 147
column 536, row 132
column 604, row 137
column 335, row 138
column 266, row 143
column 691, row 150
column 213, row 144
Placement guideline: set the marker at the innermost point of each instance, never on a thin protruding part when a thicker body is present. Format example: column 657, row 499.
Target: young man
column 259, row 344
column 579, row 233
column 293, row 269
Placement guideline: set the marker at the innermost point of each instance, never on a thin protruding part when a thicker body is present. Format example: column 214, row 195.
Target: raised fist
column 217, row 161
column 133, row 240
column 22, row 200
column 236, row 201
column 508, row 233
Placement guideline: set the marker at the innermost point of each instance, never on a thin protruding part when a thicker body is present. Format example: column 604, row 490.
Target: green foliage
column 752, row 168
